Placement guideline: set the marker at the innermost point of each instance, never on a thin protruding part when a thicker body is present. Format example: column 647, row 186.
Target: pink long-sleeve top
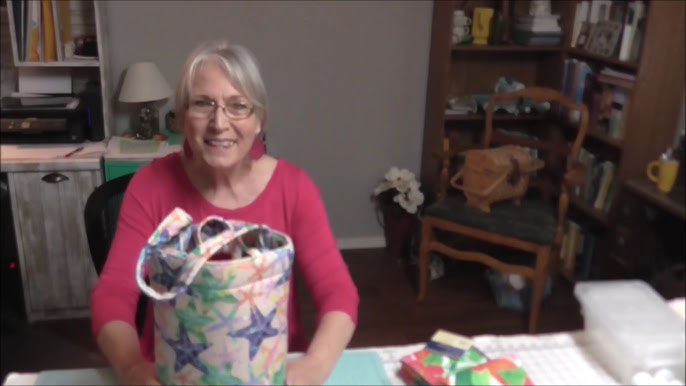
column 290, row 203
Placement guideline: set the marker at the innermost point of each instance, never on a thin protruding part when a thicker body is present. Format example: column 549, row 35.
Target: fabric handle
column 200, row 255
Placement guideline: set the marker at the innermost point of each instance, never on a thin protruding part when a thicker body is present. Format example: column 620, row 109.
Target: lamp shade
column 144, row 83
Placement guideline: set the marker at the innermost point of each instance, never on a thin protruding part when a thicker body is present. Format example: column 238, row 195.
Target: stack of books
column 540, row 30
column 452, row 359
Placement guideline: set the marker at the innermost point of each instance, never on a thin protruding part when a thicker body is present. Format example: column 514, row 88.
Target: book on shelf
column 580, row 17
column 574, row 83
column 637, row 40
column 33, row 44
column 59, row 51
column 605, row 93
column 607, row 175
column 597, row 188
column 572, row 245
column 48, row 26
column 616, row 78
column 592, row 15
column 634, row 12
column 17, row 14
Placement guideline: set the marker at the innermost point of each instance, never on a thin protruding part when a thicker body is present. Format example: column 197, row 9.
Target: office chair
column 100, row 216
column 535, row 226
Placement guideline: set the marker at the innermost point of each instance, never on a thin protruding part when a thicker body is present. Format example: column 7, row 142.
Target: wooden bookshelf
column 649, row 126
column 619, row 64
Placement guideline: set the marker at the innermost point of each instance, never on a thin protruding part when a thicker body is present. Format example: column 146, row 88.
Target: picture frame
column 603, row 38
column 584, row 33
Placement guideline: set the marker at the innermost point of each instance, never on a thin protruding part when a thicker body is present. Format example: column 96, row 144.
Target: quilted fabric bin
column 220, row 290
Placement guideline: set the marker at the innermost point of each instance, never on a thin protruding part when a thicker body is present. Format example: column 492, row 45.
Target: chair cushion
column 533, row 220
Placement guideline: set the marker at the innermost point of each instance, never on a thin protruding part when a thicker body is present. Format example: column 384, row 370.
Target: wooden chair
column 535, row 225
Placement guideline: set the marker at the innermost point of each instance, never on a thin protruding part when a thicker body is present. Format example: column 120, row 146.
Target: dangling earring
column 187, row 151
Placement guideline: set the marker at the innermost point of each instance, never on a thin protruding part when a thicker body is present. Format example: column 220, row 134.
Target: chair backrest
column 100, row 217
column 557, row 142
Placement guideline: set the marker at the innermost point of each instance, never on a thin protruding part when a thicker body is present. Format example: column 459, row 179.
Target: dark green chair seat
column 533, row 220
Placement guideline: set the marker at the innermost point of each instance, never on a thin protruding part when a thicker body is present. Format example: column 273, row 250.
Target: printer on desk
column 54, row 119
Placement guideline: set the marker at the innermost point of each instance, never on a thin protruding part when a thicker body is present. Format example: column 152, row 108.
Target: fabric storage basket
column 490, row 175
column 218, row 321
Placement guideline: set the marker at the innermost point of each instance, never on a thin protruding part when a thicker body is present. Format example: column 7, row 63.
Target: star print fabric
column 220, row 291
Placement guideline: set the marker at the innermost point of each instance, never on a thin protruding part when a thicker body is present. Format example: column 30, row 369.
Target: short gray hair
column 238, row 64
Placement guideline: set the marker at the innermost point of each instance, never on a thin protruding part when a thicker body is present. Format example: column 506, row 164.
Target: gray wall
column 346, row 83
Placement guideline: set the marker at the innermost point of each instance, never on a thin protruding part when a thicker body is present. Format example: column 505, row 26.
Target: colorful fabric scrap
column 428, row 367
column 501, row 371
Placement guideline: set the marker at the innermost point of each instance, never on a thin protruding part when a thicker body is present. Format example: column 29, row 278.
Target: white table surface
column 549, row 359
column 564, row 358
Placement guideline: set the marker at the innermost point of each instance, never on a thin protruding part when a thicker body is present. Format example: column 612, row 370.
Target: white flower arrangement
column 402, row 186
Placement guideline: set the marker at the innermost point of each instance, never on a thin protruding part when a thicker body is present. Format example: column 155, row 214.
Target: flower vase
column 397, row 226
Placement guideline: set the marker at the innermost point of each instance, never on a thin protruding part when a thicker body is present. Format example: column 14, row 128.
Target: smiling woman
column 221, row 112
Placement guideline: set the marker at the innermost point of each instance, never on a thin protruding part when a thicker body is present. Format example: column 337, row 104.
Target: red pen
column 71, row 153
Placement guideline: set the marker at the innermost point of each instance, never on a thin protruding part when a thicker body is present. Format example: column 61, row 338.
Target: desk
column 672, row 202
column 47, row 191
column 646, row 240
column 550, row 359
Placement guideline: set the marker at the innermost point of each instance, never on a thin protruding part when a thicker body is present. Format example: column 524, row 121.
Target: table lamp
column 145, row 84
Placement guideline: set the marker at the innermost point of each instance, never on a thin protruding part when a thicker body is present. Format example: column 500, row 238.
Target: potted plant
column 397, row 201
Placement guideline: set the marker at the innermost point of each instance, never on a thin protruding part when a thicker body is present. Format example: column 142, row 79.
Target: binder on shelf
column 34, row 50
column 59, row 48
column 15, row 13
column 48, row 25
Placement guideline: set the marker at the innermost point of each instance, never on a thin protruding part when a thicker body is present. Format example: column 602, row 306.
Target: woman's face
column 217, row 139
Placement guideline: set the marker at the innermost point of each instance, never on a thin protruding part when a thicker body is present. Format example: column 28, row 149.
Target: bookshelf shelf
column 497, row 117
column 599, row 136
column 70, row 63
column 505, row 48
column 597, row 215
column 581, row 53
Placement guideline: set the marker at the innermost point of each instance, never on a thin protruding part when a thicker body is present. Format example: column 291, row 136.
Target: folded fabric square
column 434, row 368
column 501, row 371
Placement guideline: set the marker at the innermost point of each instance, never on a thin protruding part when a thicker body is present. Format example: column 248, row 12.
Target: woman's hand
column 330, row 339
column 306, row 370
column 141, row 373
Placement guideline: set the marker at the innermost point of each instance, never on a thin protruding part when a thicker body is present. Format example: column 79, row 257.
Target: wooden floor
column 461, row 301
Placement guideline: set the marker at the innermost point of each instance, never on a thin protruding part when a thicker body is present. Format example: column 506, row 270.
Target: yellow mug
column 666, row 174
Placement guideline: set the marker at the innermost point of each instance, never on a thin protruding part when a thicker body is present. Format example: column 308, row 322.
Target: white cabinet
column 57, row 272
column 85, row 18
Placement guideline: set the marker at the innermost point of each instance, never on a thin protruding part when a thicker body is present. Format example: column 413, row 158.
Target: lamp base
column 148, row 122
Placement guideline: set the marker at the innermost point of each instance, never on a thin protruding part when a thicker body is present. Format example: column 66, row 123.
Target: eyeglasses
column 204, row 108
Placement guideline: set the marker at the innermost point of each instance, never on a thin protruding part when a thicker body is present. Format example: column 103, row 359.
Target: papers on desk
column 354, row 368
column 130, row 147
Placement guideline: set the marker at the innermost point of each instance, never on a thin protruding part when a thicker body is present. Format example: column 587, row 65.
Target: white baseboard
column 361, row 242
